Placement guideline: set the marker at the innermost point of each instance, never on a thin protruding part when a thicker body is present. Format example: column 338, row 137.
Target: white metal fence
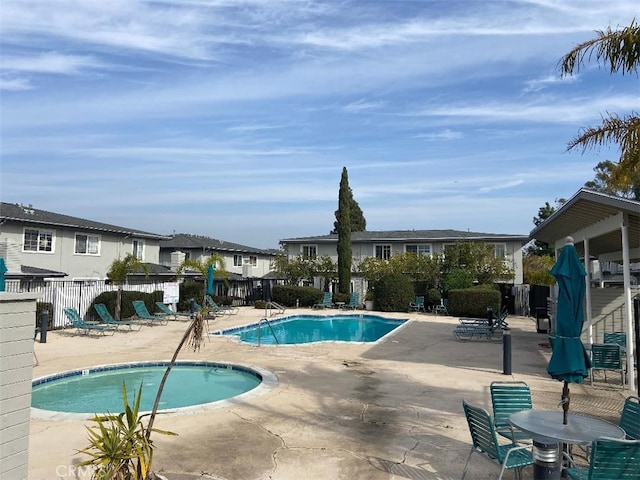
column 63, row 294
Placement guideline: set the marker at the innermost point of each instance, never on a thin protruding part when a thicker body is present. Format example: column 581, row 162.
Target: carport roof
column 587, row 209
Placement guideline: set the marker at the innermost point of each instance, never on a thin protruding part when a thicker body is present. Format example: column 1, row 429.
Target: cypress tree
column 343, row 228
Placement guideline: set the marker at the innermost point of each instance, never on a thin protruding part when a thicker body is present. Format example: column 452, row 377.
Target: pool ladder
column 270, row 328
column 271, row 309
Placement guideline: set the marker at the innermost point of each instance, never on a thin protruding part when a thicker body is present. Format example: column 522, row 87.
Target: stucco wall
column 17, row 321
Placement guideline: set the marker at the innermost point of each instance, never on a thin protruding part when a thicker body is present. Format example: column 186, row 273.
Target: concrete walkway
column 392, row 410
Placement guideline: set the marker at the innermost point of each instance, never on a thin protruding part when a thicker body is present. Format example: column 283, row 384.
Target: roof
column 586, row 209
column 412, row 235
column 34, row 272
column 27, row 214
column 186, row 241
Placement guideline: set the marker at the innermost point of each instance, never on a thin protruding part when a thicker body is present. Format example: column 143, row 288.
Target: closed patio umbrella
column 210, row 274
column 569, row 360
column 3, row 270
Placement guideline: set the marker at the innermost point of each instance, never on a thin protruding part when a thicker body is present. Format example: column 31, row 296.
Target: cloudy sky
column 234, row 118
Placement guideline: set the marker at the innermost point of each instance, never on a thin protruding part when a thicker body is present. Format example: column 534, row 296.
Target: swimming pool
column 190, row 387
column 299, row 329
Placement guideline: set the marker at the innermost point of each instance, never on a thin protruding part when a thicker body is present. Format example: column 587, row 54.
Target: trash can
column 542, row 320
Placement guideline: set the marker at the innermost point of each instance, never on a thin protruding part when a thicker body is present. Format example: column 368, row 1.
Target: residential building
column 38, row 244
column 240, row 260
column 384, row 244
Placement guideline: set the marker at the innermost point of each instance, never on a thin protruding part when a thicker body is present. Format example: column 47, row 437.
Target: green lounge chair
column 107, row 318
column 417, row 305
column 86, row 328
column 327, row 301
column 354, row 301
column 485, row 442
column 218, row 310
column 164, row 310
column 143, row 314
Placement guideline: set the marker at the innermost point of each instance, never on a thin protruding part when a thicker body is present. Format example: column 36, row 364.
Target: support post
column 506, row 351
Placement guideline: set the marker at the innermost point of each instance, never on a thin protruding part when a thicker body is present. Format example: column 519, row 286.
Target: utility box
column 542, row 320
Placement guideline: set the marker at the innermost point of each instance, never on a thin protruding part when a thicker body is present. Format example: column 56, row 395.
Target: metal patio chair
column 508, row 398
column 609, row 459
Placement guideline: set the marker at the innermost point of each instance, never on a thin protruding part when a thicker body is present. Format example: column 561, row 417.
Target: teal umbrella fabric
column 210, row 275
column 569, row 361
column 3, row 270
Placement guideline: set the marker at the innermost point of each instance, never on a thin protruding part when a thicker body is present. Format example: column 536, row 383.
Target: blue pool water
column 99, row 390
column 316, row 328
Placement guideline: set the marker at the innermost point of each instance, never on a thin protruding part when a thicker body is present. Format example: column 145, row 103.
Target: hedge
column 292, row 295
column 473, row 302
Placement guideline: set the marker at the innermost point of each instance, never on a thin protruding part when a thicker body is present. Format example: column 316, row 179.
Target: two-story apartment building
column 43, row 244
column 384, row 244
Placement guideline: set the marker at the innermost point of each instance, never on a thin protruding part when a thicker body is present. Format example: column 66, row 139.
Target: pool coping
column 268, row 382
column 238, row 328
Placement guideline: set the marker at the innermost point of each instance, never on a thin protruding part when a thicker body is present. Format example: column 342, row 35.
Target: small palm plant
column 118, row 272
column 119, row 445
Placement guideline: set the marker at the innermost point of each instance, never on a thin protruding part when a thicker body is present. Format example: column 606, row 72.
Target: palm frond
column 619, row 50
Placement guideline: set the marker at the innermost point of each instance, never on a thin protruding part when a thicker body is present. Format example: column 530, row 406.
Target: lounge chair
column 479, row 330
column 327, row 301
column 354, row 301
column 107, row 318
column 442, row 307
column 218, row 310
column 164, row 310
column 86, row 328
column 143, row 314
column 417, row 305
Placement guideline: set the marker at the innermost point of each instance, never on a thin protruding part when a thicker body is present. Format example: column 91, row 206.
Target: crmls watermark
column 79, row 472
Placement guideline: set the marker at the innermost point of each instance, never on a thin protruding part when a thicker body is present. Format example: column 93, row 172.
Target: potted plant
column 368, row 300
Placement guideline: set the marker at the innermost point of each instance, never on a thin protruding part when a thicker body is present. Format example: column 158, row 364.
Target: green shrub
column 457, row 279
column 189, row 290
column 260, row 304
column 341, row 297
column 473, row 302
column 433, row 297
column 287, row 295
column 393, row 293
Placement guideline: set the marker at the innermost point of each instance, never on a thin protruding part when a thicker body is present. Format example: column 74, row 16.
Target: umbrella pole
column 565, row 402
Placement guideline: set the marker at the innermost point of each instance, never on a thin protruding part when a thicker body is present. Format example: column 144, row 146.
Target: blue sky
column 233, row 118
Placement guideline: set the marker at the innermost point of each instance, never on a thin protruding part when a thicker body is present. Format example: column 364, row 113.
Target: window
column 500, row 250
column 251, row 260
column 237, row 260
column 383, row 251
column 138, row 247
column 38, row 240
column 420, row 249
column 309, row 251
column 87, row 244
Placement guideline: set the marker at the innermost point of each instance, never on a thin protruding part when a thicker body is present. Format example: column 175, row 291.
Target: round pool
column 190, row 387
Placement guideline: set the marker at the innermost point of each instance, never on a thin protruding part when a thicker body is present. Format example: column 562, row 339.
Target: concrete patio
column 391, row 410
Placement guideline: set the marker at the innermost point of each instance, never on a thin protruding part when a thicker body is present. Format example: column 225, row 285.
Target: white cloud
column 446, row 134
column 15, row 84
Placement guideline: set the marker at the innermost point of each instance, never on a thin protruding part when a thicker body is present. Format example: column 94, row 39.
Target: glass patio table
column 548, row 433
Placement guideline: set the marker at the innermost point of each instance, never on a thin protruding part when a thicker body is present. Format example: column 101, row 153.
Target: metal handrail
column 270, row 328
column 268, row 306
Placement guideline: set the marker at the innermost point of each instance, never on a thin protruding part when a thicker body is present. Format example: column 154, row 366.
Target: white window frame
column 309, row 251
column 421, row 248
column 87, row 244
column 44, row 237
column 385, row 251
column 237, row 260
column 138, row 252
column 496, row 246
column 251, row 260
